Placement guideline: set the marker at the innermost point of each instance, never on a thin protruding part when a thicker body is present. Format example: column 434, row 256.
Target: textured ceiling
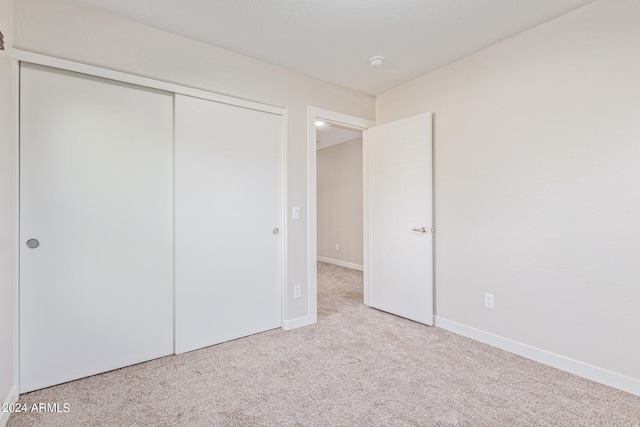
column 333, row 39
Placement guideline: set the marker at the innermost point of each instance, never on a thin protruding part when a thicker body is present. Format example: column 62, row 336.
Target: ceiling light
column 320, row 123
column 376, row 61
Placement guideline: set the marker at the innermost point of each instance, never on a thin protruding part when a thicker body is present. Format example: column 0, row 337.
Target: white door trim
column 356, row 123
column 36, row 58
column 15, row 235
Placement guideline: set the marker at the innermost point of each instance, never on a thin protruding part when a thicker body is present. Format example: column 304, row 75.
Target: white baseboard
column 11, row 398
column 594, row 373
column 340, row 263
column 299, row 322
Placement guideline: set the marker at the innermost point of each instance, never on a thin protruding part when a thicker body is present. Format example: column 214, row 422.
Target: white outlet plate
column 296, row 212
column 337, row 247
column 488, row 300
column 297, row 291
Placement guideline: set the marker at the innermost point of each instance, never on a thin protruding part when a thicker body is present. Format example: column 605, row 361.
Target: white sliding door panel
column 96, row 192
column 228, row 216
column 399, row 265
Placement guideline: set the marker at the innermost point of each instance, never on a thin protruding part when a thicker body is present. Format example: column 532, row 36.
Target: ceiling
column 331, row 134
column 333, row 39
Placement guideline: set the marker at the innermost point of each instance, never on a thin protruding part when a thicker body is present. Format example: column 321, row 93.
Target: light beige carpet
column 356, row 367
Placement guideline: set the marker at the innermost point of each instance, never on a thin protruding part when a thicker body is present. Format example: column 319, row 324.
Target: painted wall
column 67, row 31
column 339, row 202
column 537, row 184
column 7, row 252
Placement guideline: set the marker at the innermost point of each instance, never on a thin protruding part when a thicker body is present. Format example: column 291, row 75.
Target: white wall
column 537, row 185
column 7, row 253
column 67, row 31
column 339, row 202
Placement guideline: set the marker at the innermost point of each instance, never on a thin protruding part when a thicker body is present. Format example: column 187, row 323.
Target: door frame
column 15, row 226
column 343, row 120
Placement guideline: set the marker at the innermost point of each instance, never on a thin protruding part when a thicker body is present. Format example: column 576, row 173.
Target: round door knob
column 276, row 231
column 33, row 243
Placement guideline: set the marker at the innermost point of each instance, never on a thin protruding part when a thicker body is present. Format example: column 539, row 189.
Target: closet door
column 95, row 225
column 228, row 215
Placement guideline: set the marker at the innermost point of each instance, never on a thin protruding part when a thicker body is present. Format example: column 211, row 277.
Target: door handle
column 33, row 243
column 420, row 230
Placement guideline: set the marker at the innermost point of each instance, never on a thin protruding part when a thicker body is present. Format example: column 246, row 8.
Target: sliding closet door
column 95, row 225
column 228, row 215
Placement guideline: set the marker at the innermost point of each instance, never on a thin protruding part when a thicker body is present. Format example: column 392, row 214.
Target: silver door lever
column 420, row 230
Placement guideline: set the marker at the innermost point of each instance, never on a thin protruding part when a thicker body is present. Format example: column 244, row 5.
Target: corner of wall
column 8, row 305
column 12, row 397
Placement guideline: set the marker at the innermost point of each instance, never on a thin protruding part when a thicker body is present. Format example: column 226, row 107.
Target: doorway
column 341, row 135
column 339, row 186
column 397, row 172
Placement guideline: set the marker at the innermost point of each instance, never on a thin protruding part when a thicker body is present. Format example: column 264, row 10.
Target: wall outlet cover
column 488, row 300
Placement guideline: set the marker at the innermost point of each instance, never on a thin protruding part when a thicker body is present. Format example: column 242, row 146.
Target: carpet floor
column 356, row 367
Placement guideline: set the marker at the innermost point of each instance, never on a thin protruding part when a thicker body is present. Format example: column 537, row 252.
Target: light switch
column 296, row 212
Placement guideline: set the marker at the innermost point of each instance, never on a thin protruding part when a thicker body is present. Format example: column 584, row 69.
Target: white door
column 96, row 200
column 228, row 216
column 398, row 216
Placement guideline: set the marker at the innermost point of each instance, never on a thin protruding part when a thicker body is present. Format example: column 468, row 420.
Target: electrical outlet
column 488, row 300
column 296, row 212
column 337, row 247
column 297, row 291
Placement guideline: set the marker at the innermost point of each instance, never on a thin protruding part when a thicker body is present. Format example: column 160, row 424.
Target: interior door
column 95, row 225
column 228, row 216
column 398, row 213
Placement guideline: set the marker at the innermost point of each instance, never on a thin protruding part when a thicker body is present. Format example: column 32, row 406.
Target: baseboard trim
column 299, row 322
column 585, row 370
column 340, row 263
column 11, row 398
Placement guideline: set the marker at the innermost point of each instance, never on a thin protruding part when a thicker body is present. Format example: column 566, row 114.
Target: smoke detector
column 376, row 61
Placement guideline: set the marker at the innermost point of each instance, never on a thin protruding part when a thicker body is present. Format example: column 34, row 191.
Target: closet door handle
column 276, row 231
column 420, row 230
column 33, row 243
